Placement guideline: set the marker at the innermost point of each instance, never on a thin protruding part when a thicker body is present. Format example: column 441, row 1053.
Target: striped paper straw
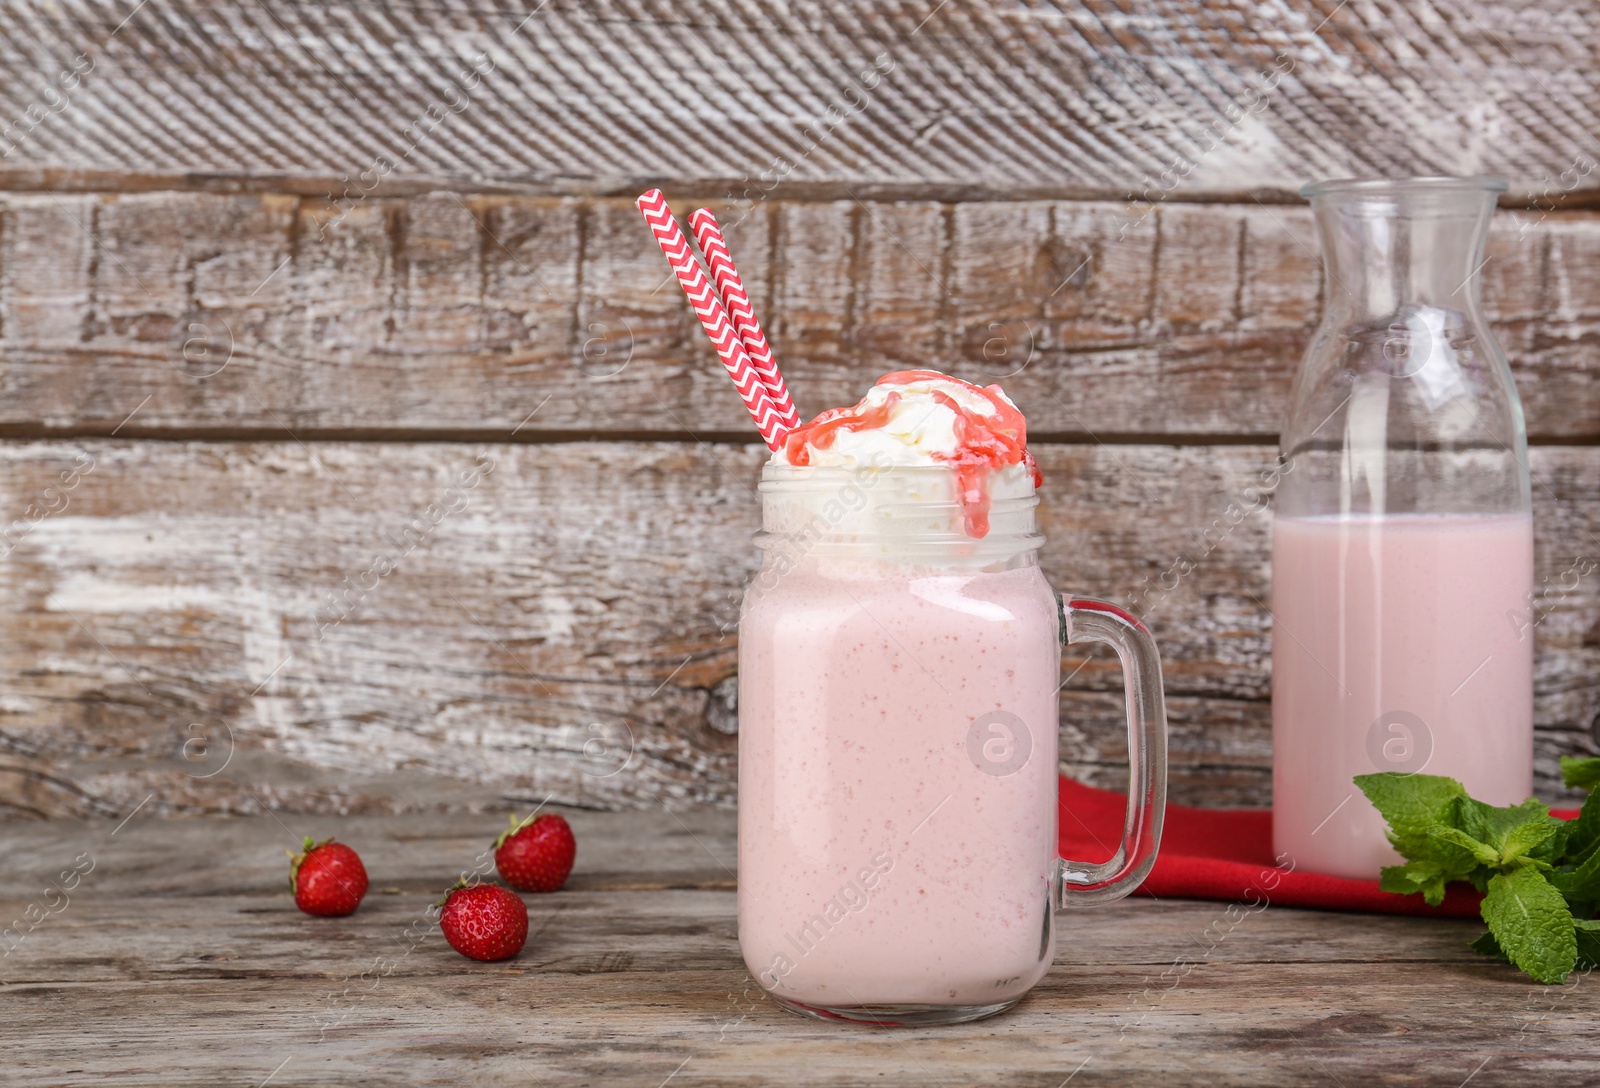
column 713, row 318
column 741, row 312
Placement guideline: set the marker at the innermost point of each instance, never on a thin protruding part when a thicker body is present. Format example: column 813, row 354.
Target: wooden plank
column 644, row 850
column 572, row 595
column 179, row 959
column 1151, row 101
column 453, row 316
column 1261, row 1025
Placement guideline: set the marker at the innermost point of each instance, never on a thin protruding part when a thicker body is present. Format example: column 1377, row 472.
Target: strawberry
column 483, row 921
column 327, row 878
column 537, row 856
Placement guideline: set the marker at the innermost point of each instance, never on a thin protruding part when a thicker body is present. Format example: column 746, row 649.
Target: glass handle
column 1080, row 884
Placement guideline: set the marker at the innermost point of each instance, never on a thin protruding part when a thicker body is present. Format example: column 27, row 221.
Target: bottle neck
column 1394, row 249
column 1405, row 403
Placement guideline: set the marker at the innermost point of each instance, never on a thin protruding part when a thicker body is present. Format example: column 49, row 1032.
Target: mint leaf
column 1521, row 841
column 1531, row 924
column 1588, row 936
column 1582, row 883
column 1426, row 877
column 1519, row 834
column 1585, row 833
column 1554, row 848
column 1413, row 804
column 1472, row 817
column 1489, row 947
column 1500, row 821
column 1483, row 853
column 1582, row 774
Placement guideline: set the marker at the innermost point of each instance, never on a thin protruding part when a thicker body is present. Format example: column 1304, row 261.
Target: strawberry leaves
column 1541, row 875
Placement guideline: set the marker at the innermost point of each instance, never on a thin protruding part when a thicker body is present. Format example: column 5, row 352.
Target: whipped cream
column 911, row 417
column 924, row 419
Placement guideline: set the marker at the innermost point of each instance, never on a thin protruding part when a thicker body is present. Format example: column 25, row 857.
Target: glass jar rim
column 934, row 486
column 890, row 509
column 1424, row 183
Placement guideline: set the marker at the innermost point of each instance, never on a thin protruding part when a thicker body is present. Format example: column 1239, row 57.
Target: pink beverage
column 878, row 864
column 899, row 664
column 1400, row 643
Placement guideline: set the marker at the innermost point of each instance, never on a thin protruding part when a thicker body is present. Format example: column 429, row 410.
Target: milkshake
column 899, row 661
column 1396, row 647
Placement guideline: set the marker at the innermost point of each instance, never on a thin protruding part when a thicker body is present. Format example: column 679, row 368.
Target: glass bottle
column 1402, row 555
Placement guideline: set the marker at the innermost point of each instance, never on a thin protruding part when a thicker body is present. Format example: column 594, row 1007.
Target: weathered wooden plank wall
column 447, row 315
column 236, row 378
column 892, row 98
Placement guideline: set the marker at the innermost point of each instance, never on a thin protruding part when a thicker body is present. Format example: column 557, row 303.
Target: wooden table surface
column 275, row 273
column 180, row 959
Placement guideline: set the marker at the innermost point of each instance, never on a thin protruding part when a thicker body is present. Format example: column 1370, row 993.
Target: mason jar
column 898, row 722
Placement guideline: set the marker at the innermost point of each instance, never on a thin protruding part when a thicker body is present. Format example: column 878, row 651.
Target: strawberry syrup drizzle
column 821, row 432
column 984, row 442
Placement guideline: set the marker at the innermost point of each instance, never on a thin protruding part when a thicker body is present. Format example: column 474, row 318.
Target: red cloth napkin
column 1209, row 853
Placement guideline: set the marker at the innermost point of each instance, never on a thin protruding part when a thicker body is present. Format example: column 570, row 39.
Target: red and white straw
column 708, row 307
column 743, row 315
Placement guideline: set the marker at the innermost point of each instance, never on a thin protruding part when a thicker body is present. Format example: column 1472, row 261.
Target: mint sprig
column 1540, row 874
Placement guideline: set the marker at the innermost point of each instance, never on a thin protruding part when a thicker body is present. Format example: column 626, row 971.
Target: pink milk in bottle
column 1402, row 644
